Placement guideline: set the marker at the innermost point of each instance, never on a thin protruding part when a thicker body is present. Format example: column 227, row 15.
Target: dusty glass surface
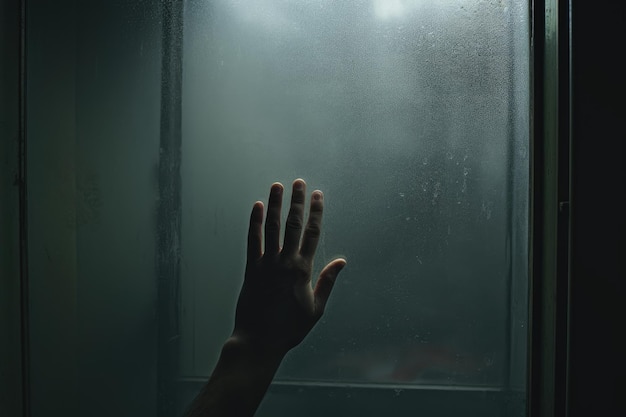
column 412, row 117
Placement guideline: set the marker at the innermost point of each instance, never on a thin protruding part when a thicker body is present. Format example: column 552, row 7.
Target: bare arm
column 277, row 305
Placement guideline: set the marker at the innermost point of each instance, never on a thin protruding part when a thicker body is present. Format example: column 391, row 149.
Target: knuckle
column 313, row 230
column 297, row 266
column 297, row 198
column 272, row 225
column 294, row 222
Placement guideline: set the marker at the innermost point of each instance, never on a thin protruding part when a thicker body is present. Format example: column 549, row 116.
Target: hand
column 277, row 305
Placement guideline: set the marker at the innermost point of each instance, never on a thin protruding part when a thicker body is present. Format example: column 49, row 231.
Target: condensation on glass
column 412, row 117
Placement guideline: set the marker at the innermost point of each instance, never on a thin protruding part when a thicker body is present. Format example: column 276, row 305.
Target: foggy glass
column 412, row 117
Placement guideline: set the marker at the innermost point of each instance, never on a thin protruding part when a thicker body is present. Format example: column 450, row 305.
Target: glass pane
column 412, row 117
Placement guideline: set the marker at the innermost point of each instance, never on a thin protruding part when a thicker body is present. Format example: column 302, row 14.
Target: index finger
column 255, row 234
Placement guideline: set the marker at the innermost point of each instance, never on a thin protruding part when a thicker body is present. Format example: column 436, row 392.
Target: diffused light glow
column 388, row 9
column 396, row 9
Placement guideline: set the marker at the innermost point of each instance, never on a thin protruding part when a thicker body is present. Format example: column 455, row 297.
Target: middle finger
column 272, row 220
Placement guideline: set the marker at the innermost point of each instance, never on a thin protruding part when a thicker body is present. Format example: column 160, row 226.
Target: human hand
column 278, row 305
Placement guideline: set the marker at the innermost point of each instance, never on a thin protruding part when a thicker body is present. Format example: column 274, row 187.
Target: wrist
column 238, row 349
column 239, row 380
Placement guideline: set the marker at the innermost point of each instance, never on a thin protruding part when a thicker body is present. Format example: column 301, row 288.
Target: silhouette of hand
column 278, row 305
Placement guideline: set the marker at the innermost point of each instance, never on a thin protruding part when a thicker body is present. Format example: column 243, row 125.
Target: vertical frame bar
column 169, row 210
column 23, row 227
column 13, row 279
column 549, row 264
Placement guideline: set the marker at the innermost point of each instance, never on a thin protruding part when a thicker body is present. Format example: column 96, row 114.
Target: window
column 411, row 116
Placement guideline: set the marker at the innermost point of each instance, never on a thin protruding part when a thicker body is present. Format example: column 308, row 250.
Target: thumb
column 325, row 283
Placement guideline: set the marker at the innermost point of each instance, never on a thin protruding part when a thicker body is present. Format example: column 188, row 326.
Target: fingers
column 255, row 233
column 325, row 283
column 293, row 227
column 272, row 221
column 295, row 220
column 313, row 227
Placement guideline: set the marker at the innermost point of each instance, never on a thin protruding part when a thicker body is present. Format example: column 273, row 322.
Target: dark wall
column 50, row 146
column 93, row 131
column 10, row 377
column 598, row 245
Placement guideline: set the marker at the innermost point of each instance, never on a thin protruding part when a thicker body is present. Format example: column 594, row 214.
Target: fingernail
column 317, row 195
column 299, row 185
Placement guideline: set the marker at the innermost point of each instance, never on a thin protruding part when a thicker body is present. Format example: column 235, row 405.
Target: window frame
column 556, row 386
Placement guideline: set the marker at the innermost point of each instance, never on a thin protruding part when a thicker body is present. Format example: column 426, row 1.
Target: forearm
column 238, row 383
